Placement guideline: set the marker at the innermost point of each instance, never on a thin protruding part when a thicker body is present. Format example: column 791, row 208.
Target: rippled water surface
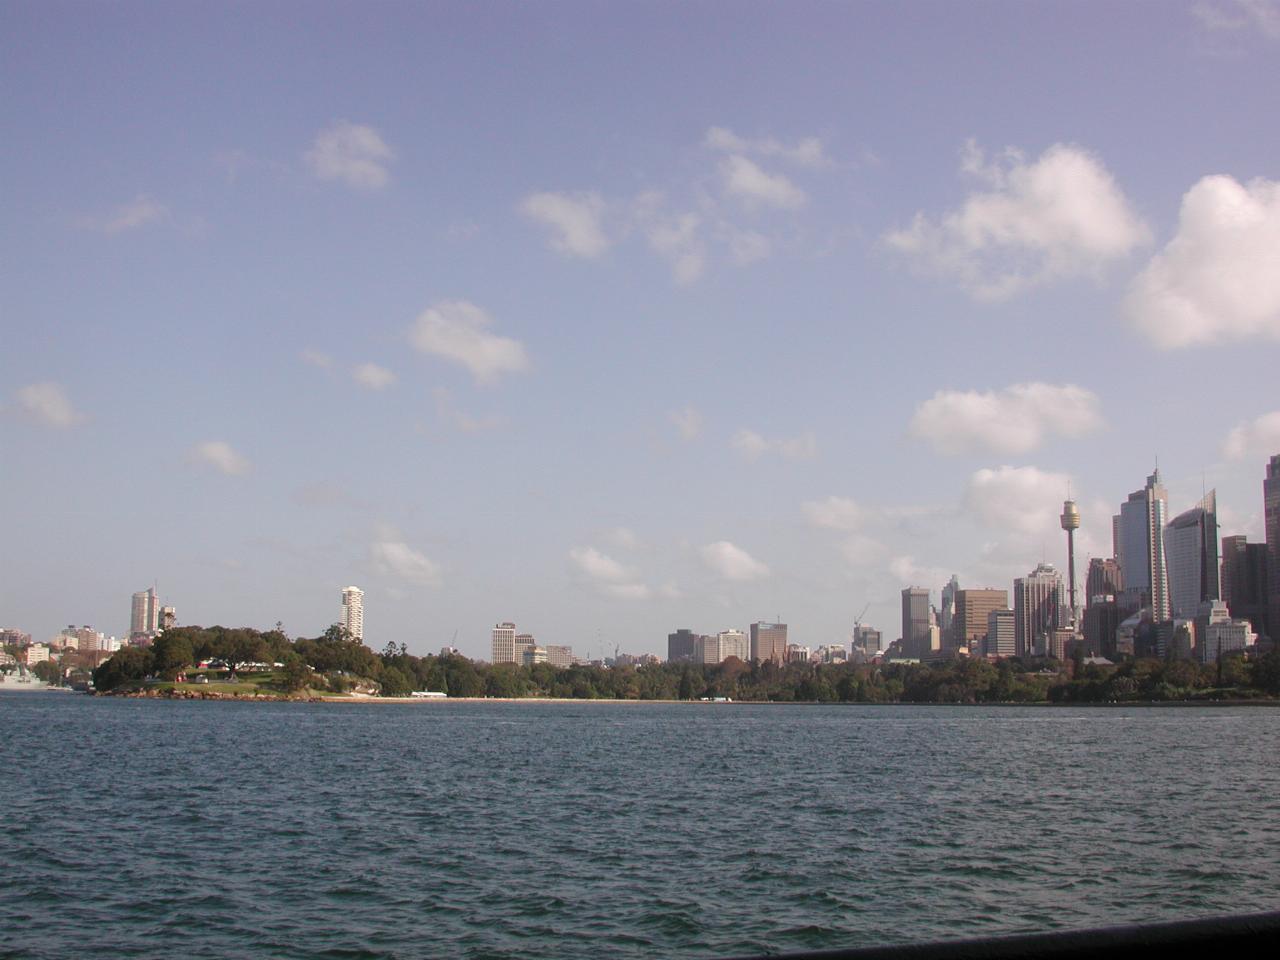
column 154, row 828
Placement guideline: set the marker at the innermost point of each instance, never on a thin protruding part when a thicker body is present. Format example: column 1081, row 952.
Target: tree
column 396, row 683
column 297, row 675
column 171, row 652
column 127, row 665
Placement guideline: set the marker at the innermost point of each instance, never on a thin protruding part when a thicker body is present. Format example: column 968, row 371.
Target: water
column 147, row 828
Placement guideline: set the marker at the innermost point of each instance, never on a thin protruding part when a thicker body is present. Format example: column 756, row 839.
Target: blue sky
column 610, row 319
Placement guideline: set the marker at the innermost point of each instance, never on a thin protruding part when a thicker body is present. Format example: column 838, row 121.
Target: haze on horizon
column 612, row 319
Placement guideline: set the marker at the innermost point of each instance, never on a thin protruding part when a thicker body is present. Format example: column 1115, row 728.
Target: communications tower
column 1071, row 523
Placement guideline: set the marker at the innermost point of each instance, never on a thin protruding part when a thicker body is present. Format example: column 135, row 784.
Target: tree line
column 334, row 662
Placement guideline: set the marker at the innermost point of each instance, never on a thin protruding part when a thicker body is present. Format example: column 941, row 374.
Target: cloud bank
column 1016, row 419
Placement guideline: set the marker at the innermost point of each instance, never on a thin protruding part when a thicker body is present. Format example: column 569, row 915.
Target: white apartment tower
column 144, row 617
column 504, row 643
column 1140, row 547
column 353, row 611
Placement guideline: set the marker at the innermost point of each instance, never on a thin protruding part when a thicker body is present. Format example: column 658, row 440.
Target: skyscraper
column 353, row 611
column 1103, row 579
column 1037, row 610
column 1271, row 520
column 144, row 617
column 1140, row 547
column 1070, row 521
column 946, row 615
column 734, row 643
column 1244, row 582
column 769, row 642
column 1191, row 551
column 504, row 643
column 972, row 617
column 916, row 621
column 680, row 645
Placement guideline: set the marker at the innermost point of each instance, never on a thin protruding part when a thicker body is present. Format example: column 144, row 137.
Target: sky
column 609, row 319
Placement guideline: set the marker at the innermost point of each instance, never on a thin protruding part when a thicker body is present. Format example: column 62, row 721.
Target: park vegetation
column 335, row 663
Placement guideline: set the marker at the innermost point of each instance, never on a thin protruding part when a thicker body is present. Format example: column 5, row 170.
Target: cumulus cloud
column 834, row 513
column 1258, row 437
column 352, row 153
column 1235, row 16
column 744, row 179
column 1061, row 215
column 49, row 404
column 753, row 446
column 677, row 240
column 807, row 152
column 138, row 212
column 372, row 376
column 576, row 221
column 457, row 330
column 732, row 562
column 608, row 575
column 221, row 456
column 392, row 557
column 1016, row 419
column 688, row 422
column 1022, row 500
column 317, row 359
column 1219, row 277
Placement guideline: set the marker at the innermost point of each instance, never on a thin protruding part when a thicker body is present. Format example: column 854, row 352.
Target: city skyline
column 670, row 332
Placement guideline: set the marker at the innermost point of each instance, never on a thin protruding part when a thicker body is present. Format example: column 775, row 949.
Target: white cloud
column 221, row 456
column 1258, row 437
column 676, row 240
column 456, row 330
column 834, row 513
column 744, row 179
column 575, row 221
column 806, row 152
column 1260, row 16
column 394, row 558
column 732, row 562
column 464, row 422
column 1020, row 500
column 138, row 212
column 624, row 537
column 1219, row 277
column 747, row 246
column 688, row 422
column 627, row 591
column 1016, row 419
column 317, row 359
column 753, row 446
column 608, row 575
column 352, row 153
column 373, row 376
column 1059, row 216
column 48, row 403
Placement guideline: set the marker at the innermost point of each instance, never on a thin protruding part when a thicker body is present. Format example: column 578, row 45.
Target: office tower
column 734, row 643
column 144, row 619
column 1271, row 521
column 769, row 642
column 504, row 643
column 168, row 618
column 1103, row 579
column 916, row 620
column 973, row 611
column 1217, row 633
column 524, row 646
column 1037, row 610
column 947, row 614
column 1101, row 620
column 353, row 612
column 866, row 641
column 1140, row 547
column 1244, row 582
column 559, row 656
column 1191, row 553
column 706, row 650
column 1002, row 634
column 680, row 645
column 1070, row 521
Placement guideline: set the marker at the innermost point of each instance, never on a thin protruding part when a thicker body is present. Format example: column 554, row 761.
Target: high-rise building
column 866, row 641
column 734, row 643
column 769, row 642
column 1037, row 610
column 680, row 645
column 1244, row 582
column 1002, row 634
column 1140, row 547
column 1070, row 521
column 1217, row 633
column 353, row 612
column 559, row 656
column 1101, row 620
column 144, row 616
column 168, row 618
column 1191, row 554
column 916, row 621
column 1103, row 579
column 1271, row 523
column 706, row 650
column 504, row 643
column 973, row 609
column 947, row 614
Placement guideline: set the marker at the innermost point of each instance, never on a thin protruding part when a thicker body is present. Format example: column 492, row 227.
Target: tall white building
column 734, row 643
column 1191, row 549
column 353, row 611
column 144, row 617
column 1139, row 531
column 1037, row 610
column 504, row 643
